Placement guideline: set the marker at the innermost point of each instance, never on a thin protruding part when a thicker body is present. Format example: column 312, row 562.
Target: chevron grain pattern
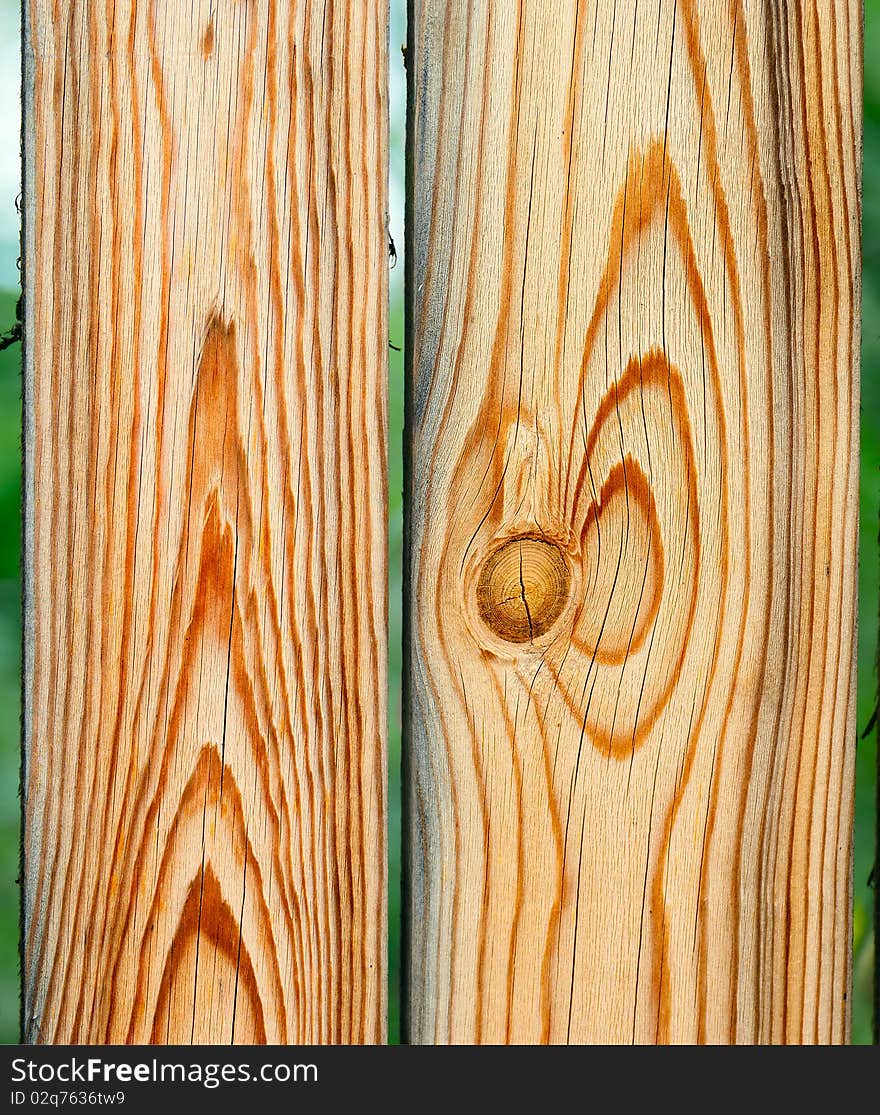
column 205, row 538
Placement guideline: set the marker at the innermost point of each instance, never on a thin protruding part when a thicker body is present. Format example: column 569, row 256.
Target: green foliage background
column 10, row 529
column 869, row 549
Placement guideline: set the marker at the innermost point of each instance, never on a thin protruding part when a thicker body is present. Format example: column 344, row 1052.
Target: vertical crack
column 525, row 599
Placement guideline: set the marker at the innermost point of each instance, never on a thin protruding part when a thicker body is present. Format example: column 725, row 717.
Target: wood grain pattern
column 205, row 569
column 634, row 298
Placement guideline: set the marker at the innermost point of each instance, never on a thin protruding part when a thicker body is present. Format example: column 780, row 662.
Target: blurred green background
column 869, row 547
column 10, row 458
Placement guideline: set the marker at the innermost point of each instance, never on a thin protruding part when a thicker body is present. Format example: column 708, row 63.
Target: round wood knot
column 523, row 588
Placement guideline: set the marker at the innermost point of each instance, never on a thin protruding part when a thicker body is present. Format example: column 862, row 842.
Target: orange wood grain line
column 633, row 279
column 205, row 539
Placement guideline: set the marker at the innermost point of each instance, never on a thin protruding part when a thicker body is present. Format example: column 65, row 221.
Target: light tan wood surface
column 205, row 541
column 633, row 427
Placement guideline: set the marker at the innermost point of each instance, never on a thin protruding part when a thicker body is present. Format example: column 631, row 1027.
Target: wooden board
column 205, row 651
column 633, row 440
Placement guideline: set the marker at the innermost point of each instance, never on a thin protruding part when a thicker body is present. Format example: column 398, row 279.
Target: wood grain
column 633, row 407
column 205, row 541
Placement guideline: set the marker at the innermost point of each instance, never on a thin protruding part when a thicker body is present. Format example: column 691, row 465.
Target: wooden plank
column 205, row 651
column 633, row 407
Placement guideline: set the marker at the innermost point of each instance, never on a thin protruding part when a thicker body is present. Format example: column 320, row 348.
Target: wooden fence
column 631, row 504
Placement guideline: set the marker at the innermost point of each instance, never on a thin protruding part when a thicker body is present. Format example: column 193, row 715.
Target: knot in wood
column 523, row 588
